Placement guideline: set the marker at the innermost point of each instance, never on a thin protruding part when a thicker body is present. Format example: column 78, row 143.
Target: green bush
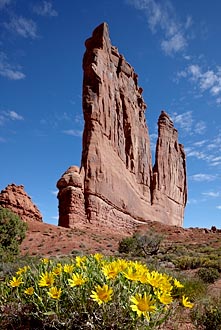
column 12, row 233
column 128, row 245
column 208, row 275
column 207, row 315
column 184, row 263
column 145, row 245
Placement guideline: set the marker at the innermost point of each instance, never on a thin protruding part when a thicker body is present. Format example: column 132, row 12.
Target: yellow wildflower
column 76, row 280
column 102, row 294
column 68, row 268
column 45, row 260
column 186, row 302
column 57, row 270
column 15, row 282
column 54, row 293
column 111, row 270
column 98, row 256
column 29, row 291
column 131, row 274
column 143, row 305
column 165, row 298
column 22, row 270
column 177, row 283
column 47, row 279
column 80, row 260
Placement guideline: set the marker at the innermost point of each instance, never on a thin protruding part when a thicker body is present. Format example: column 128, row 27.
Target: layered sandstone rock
column 118, row 186
column 169, row 190
column 71, row 198
column 16, row 199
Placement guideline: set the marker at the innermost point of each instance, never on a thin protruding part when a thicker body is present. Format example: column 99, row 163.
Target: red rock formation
column 16, row 199
column 116, row 169
column 169, row 190
column 71, row 198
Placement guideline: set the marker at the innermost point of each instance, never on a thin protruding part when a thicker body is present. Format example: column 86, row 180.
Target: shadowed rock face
column 16, row 199
column 119, row 187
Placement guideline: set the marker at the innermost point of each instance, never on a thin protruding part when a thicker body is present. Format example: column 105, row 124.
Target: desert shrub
column 208, row 275
column 186, row 262
column 12, row 233
column 148, row 244
column 194, row 288
column 89, row 292
column 212, row 264
column 207, row 315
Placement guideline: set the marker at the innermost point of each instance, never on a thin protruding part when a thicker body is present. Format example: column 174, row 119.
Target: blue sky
column 174, row 47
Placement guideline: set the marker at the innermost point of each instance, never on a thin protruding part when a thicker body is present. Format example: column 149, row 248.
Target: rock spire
column 116, row 185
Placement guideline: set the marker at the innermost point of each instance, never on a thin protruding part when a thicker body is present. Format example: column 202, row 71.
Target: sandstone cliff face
column 119, row 188
column 169, row 189
column 16, row 199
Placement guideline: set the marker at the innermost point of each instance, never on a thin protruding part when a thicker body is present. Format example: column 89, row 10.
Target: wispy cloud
column 22, row 26
column 14, row 115
column 162, row 17
column 8, row 70
column 73, row 132
column 200, row 177
column 8, row 116
column 184, row 120
column 45, row 9
column 211, row 194
column 4, row 3
column 205, row 80
column 218, row 207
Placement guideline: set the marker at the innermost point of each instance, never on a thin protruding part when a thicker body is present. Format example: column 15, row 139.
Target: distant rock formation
column 16, row 199
column 116, row 185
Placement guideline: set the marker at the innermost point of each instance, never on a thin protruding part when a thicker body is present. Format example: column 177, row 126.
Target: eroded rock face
column 16, row 199
column 169, row 190
column 119, row 187
column 71, row 198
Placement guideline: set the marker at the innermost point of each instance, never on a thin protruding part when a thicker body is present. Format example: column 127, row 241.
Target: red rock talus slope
column 16, row 199
column 117, row 186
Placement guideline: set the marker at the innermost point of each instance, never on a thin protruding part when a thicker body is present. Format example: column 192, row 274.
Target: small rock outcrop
column 16, row 199
column 71, row 197
column 116, row 184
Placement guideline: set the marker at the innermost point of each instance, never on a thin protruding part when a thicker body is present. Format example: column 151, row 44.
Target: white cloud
column 24, row 27
column 200, row 127
column 200, row 177
column 162, row 17
column 218, row 207
column 14, row 115
column 9, row 115
column 211, row 194
column 184, row 120
column 174, row 44
column 4, row 3
column 200, row 143
column 73, row 132
column 54, row 192
column 45, row 9
column 8, row 70
column 205, row 80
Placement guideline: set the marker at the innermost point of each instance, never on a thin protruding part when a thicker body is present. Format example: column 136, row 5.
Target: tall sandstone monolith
column 119, row 188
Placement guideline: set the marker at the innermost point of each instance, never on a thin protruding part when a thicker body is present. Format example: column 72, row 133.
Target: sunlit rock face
column 14, row 198
column 116, row 185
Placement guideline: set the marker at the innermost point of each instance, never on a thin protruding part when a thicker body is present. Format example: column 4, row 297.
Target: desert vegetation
column 149, row 283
